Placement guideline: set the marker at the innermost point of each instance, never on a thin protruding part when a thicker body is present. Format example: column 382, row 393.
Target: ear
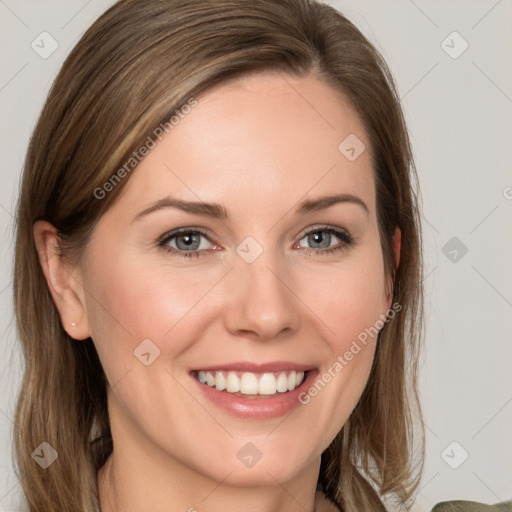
column 64, row 281
column 397, row 246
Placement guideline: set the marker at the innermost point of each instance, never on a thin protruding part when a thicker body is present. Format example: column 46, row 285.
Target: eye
column 193, row 242
column 320, row 240
column 186, row 242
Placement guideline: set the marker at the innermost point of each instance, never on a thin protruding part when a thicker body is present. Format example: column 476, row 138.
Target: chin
column 252, row 467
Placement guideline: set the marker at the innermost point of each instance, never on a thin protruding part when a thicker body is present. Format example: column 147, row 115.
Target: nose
column 261, row 299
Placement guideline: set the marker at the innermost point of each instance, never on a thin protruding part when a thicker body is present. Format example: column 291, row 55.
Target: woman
column 218, row 268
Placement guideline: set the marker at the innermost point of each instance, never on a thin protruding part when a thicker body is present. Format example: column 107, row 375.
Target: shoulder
column 472, row 506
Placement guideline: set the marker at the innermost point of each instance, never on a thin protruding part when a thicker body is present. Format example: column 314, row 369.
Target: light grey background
column 459, row 115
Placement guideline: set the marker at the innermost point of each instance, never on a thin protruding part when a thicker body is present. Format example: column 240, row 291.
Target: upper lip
column 247, row 366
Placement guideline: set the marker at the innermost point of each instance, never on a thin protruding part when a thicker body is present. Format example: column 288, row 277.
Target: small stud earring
column 73, row 324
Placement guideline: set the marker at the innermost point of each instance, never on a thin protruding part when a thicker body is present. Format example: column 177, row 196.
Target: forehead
column 260, row 136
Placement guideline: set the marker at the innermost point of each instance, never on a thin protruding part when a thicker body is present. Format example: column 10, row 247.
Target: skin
column 258, row 146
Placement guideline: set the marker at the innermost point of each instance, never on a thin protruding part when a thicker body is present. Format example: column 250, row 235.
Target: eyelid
column 189, row 229
column 320, row 227
column 345, row 237
column 207, row 233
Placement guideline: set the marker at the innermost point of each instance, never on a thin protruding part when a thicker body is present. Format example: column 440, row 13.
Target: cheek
column 129, row 302
column 348, row 297
column 135, row 298
column 349, row 300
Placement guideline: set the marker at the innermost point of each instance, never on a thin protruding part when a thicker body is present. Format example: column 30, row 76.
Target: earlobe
column 63, row 281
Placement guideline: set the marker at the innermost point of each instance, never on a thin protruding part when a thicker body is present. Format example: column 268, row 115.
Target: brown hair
column 137, row 64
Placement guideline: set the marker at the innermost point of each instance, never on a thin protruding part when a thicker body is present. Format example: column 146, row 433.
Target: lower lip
column 261, row 407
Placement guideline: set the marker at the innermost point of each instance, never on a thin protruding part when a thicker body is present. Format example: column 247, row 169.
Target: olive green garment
column 472, row 506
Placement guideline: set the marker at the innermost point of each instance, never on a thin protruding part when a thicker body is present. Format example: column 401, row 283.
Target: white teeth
column 220, row 381
column 282, row 383
column 210, row 379
column 267, row 384
column 250, row 383
column 291, row 380
column 232, row 383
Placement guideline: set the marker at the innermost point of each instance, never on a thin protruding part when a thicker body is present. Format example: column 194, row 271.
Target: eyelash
column 345, row 237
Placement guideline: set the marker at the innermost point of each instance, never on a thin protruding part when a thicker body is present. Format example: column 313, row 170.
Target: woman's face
column 273, row 281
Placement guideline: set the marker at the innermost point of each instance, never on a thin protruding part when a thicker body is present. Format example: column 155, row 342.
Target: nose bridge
column 261, row 300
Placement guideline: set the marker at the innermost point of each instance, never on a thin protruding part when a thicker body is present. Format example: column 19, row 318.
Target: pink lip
column 260, row 407
column 247, row 366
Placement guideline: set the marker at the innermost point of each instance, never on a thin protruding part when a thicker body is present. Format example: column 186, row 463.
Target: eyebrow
column 217, row 211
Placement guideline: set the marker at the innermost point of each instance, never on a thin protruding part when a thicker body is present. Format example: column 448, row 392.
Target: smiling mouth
column 251, row 384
